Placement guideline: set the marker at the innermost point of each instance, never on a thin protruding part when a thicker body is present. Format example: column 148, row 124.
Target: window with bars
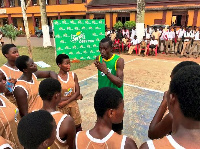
column 34, row 2
column 83, row 1
column 12, row 3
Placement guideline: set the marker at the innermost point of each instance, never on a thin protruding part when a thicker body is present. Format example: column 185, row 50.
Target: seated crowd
column 45, row 115
column 184, row 41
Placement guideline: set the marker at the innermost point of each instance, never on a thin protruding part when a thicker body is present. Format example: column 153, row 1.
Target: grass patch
column 46, row 55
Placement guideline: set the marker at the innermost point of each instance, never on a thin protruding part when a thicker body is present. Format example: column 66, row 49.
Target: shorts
column 152, row 46
column 72, row 109
column 117, row 127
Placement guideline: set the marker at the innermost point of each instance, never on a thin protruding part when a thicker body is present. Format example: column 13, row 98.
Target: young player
column 70, row 90
column 8, row 120
column 109, row 107
column 183, row 100
column 26, row 87
column 37, row 130
column 50, row 92
column 161, row 125
column 9, row 71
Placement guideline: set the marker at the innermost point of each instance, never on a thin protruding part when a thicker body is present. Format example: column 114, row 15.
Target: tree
column 24, row 7
column 10, row 32
column 118, row 25
column 129, row 24
column 45, row 27
column 140, row 18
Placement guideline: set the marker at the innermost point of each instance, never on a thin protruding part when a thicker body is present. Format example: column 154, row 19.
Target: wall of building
column 107, row 16
column 150, row 16
column 114, row 18
column 190, row 17
column 30, row 25
column 132, row 16
column 168, row 18
column 198, row 20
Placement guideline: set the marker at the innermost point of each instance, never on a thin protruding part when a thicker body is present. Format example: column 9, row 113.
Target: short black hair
column 48, row 87
column 104, row 40
column 6, row 48
column 35, row 128
column 60, row 58
column 181, row 65
column 21, row 62
column 106, row 98
column 185, row 85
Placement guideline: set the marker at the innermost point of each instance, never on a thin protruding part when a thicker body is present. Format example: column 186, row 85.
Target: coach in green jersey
column 110, row 70
column 110, row 67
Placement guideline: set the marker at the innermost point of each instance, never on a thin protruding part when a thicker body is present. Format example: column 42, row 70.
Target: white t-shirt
column 154, row 42
column 148, row 35
column 196, row 36
column 186, row 34
column 134, row 42
column 180, row 33
column 133, row 34
column 169, row 35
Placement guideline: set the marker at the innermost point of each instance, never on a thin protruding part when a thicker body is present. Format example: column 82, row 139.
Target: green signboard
column 79, row 38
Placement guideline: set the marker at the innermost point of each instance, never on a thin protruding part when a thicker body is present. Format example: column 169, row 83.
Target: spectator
column 119, row 35
column 169, row 36
column 153, row 45
column 134, row 43
column 143, row 45
column 179, row 43
column 187, row 38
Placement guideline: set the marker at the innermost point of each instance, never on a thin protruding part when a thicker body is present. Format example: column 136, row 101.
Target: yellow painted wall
column 150, row 16
column 132, row 16
column 30, row 25
column 190, row 17
column 108, row 20
column 114, row 18
column 20, row 23
column 168, row 18
column 91, row 16
column 198, row 19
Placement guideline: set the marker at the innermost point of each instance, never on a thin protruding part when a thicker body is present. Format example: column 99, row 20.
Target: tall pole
column 140, row 19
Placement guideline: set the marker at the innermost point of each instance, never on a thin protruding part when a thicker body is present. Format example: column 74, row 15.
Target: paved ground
column 21, row 41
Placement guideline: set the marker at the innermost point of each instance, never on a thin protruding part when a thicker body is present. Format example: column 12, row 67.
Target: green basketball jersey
column 103, row 80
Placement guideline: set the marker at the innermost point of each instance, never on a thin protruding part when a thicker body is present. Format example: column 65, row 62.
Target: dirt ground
column 149, row 72
column 145, row 80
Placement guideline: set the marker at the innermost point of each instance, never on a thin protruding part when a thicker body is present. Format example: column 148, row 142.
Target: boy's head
column 105, row 47
column 37, row 130
column 135, row 37
column 63, row 62
column 50, row 89
column 108, row 103
column 153, row 38
column 25, row 64
column 184, row 93
column 10, row 51
column 181, row 65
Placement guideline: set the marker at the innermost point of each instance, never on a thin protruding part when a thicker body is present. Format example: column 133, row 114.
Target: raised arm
column 46, row 74
column 118, row 79
column 160, row 126
column 21, row 98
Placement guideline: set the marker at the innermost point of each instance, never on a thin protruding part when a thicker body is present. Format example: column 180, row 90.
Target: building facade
column 176, row 12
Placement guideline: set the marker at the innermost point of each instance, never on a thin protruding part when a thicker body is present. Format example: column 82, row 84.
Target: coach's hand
column 101, row 66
